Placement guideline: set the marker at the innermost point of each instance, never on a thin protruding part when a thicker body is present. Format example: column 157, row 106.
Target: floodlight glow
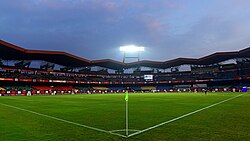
column 131, row 48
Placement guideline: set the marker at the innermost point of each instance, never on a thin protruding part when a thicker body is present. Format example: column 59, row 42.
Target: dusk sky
column 94, row 29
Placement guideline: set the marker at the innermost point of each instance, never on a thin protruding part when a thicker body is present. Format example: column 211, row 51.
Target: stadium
column 52, row 95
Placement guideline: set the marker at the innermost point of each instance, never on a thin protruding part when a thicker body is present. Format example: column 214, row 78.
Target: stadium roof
column 9, row 51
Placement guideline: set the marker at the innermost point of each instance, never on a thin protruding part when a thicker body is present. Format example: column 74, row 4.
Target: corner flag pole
column 126, row 106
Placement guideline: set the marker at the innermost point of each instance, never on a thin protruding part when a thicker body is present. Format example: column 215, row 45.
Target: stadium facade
column 60, row 73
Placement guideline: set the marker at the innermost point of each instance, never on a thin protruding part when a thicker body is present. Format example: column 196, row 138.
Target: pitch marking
column 111, row 132
column 63, row 120
column 180, row 117
column 120, row 130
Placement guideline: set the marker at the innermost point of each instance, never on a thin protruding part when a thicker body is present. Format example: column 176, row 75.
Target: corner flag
column 126, row 105
column 126, row 97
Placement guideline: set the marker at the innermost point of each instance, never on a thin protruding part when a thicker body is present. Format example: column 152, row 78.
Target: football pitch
column 152, row 117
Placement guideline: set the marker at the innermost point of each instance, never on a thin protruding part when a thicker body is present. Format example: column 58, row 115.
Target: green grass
column 226, row 121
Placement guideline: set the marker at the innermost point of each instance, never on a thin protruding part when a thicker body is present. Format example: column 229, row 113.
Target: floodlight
column 131, row 48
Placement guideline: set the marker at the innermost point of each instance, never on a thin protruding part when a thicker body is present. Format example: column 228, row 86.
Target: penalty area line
column 180, row 117
column 63, row 120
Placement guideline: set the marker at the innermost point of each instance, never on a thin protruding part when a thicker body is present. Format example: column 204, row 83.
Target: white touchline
column 63, row 120
column 180, row 117
column 111, row 132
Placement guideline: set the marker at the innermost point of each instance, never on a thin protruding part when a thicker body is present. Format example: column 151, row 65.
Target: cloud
column 168, row 28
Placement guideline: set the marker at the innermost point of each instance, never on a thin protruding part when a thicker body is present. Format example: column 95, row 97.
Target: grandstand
column 148, row 88
column 210, row 73
column 160, row 93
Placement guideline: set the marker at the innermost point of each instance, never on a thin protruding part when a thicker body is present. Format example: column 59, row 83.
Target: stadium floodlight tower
column 131, row 49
